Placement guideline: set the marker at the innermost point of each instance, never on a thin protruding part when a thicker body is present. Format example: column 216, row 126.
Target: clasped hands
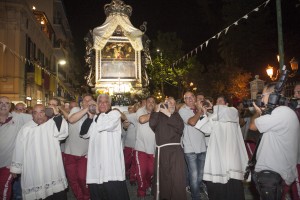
column 200, row 105
column 162, row 108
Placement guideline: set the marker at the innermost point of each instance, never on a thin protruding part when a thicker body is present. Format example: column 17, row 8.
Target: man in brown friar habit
column 170, row 165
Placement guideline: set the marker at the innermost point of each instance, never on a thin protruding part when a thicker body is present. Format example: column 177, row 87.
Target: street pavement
column 133, row 191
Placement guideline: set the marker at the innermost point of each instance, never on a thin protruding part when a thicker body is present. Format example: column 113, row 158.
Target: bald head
column 38, row 114
column 38, row 106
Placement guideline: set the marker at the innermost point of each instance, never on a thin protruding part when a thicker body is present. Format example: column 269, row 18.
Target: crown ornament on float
column 117, row 7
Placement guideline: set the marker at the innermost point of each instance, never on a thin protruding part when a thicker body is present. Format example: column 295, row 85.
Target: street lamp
column 192, row 86
column 159, row 53
column 270, row 72
column 60, row 62
column 294, row 68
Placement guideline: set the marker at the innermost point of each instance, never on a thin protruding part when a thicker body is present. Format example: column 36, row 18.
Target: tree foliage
column 220, row 79
column 239, row 85
column 162, row 72
column 214, row 79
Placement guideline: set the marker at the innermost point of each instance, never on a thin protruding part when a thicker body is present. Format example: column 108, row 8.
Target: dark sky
column 187, row 18
column 178, row 16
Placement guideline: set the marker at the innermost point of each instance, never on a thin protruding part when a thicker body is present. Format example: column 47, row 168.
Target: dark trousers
column 17, row 190
column 112, row 190
column 269, row 184
column 232, row 190
column 58, row 196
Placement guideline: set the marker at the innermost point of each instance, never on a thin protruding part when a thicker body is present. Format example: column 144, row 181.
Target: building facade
column 35, row 38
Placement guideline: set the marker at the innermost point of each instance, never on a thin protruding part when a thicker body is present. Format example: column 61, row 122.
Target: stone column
column 256, row 87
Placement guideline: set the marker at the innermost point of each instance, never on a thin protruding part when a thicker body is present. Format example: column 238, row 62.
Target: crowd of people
column 168, row 149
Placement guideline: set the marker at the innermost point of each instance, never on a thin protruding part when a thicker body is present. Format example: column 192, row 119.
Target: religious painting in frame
column 118, row 51
column 118, row 61
column 118, row 69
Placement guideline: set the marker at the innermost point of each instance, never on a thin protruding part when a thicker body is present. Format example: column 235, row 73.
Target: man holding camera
column 277, row 152
column 170, row 165
column 296, row 185
column 55, row 103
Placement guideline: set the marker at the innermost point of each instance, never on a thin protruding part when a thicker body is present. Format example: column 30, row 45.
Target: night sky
column 182, row 17
column 166, row 16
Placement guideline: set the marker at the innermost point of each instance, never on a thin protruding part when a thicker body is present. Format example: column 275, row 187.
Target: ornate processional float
column 117, row 54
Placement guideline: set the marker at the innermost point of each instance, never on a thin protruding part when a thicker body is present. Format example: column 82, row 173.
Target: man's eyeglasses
column 297, row 92
column 189, row 97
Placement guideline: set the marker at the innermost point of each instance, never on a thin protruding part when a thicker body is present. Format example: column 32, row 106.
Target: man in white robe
column 10, row 124
column 226, row 156
column 37, row 156
column 17, row 191
column 105, row 168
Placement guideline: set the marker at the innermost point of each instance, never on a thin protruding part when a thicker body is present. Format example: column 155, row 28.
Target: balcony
column 44, row 23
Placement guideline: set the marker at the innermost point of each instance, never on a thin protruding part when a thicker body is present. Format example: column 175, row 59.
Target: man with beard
column 170, row 165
